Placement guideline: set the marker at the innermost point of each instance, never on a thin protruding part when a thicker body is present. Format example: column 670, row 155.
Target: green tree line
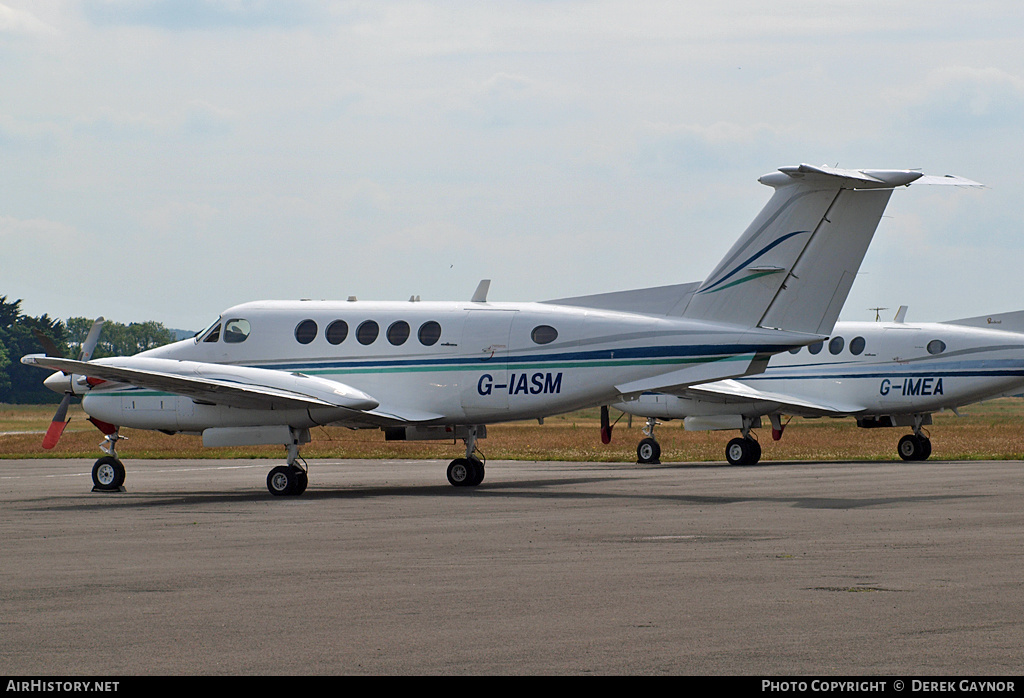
column 24, row 384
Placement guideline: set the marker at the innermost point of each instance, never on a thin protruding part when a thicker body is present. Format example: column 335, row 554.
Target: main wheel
column 460, row 472
column 914, row 447
column 648, row 451
column 478, row 472
column 107, row 474
column 741, row 451
column 755, row 452
column 283, row 481
column 926, row 447
column 301, row 480
column 465, row 472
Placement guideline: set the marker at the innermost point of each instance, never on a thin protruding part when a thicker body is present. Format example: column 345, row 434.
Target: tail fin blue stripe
column 762, row 252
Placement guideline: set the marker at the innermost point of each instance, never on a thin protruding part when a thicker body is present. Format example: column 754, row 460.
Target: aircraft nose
column 59, row 382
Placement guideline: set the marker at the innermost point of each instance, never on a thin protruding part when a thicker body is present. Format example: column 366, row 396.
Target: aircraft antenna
column 877, row 311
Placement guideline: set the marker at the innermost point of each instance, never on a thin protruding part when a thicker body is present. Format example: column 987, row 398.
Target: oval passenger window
column 544, row 334
column 367, row 332
column 305, row 332
column 429, row 333
column 336, row 332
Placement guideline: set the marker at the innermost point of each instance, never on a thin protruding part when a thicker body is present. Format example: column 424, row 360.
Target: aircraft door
column 485, row 340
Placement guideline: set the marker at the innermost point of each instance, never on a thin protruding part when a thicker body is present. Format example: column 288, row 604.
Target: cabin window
column 398, row 332
column 816, row 347
column 367, row 332
column 305, row 331
column 835, row 345
column 795, row 350
column 236, row 331
column 429, row 333
column 936, row 346
column 337, row 332
column 544, row 334
column 213, row 335
column 857, row 346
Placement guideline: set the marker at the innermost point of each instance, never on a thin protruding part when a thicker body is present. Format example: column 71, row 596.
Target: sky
column 166, row 159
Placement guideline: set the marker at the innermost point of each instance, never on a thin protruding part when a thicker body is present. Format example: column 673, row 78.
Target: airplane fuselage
column 873, row 368
column 439, row 362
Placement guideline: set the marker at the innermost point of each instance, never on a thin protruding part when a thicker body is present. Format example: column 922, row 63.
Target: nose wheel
column 649, row 450
column 107, row 475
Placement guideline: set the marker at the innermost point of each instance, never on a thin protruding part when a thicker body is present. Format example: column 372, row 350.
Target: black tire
column 742, row 451
column 908, row 447
column 478, row 472
column 301, row 481
column 648, row 451
column 755, row 452
column 107, row 474
column 461, row 472
column 913, row 448
column 282, row 481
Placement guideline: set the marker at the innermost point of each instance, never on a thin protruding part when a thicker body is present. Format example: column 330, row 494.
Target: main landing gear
column 744, row 450
column 916, row 446
column 289, row 480
column 468, row 471
column 740, row 451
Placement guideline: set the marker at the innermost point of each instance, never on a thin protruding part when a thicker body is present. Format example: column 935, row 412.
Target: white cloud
column 21, row 22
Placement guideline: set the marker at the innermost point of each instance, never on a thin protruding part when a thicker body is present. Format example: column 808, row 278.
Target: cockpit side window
column 236, row 331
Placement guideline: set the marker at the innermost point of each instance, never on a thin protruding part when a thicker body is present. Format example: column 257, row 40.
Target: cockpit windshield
column 210, row 334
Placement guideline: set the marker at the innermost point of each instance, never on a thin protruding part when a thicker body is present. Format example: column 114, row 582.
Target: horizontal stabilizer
column 794, row 266
column 658, row 300
column 691, row 375
column 1007, row 322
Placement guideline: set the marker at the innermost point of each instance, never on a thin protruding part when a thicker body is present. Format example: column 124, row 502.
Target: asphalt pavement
column 382, row 567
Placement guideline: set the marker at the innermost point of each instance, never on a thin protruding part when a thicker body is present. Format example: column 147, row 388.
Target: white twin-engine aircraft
column 885, row 374
column 266, row 372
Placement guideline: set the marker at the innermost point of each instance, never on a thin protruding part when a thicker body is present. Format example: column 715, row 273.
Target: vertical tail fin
column 793, row 267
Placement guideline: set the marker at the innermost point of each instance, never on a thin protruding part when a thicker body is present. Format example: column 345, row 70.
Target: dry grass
column 986, row 431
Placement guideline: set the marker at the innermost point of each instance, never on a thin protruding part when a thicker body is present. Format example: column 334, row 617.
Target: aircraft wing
column 737, row 390
column 235, row 386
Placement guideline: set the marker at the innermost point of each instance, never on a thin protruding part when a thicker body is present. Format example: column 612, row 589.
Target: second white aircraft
column 885, row 374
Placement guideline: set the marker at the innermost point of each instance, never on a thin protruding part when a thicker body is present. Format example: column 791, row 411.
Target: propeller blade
column 47, row 344
column 91, row 339
column 56, row 427
column 606, row 426
column 60, row 421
